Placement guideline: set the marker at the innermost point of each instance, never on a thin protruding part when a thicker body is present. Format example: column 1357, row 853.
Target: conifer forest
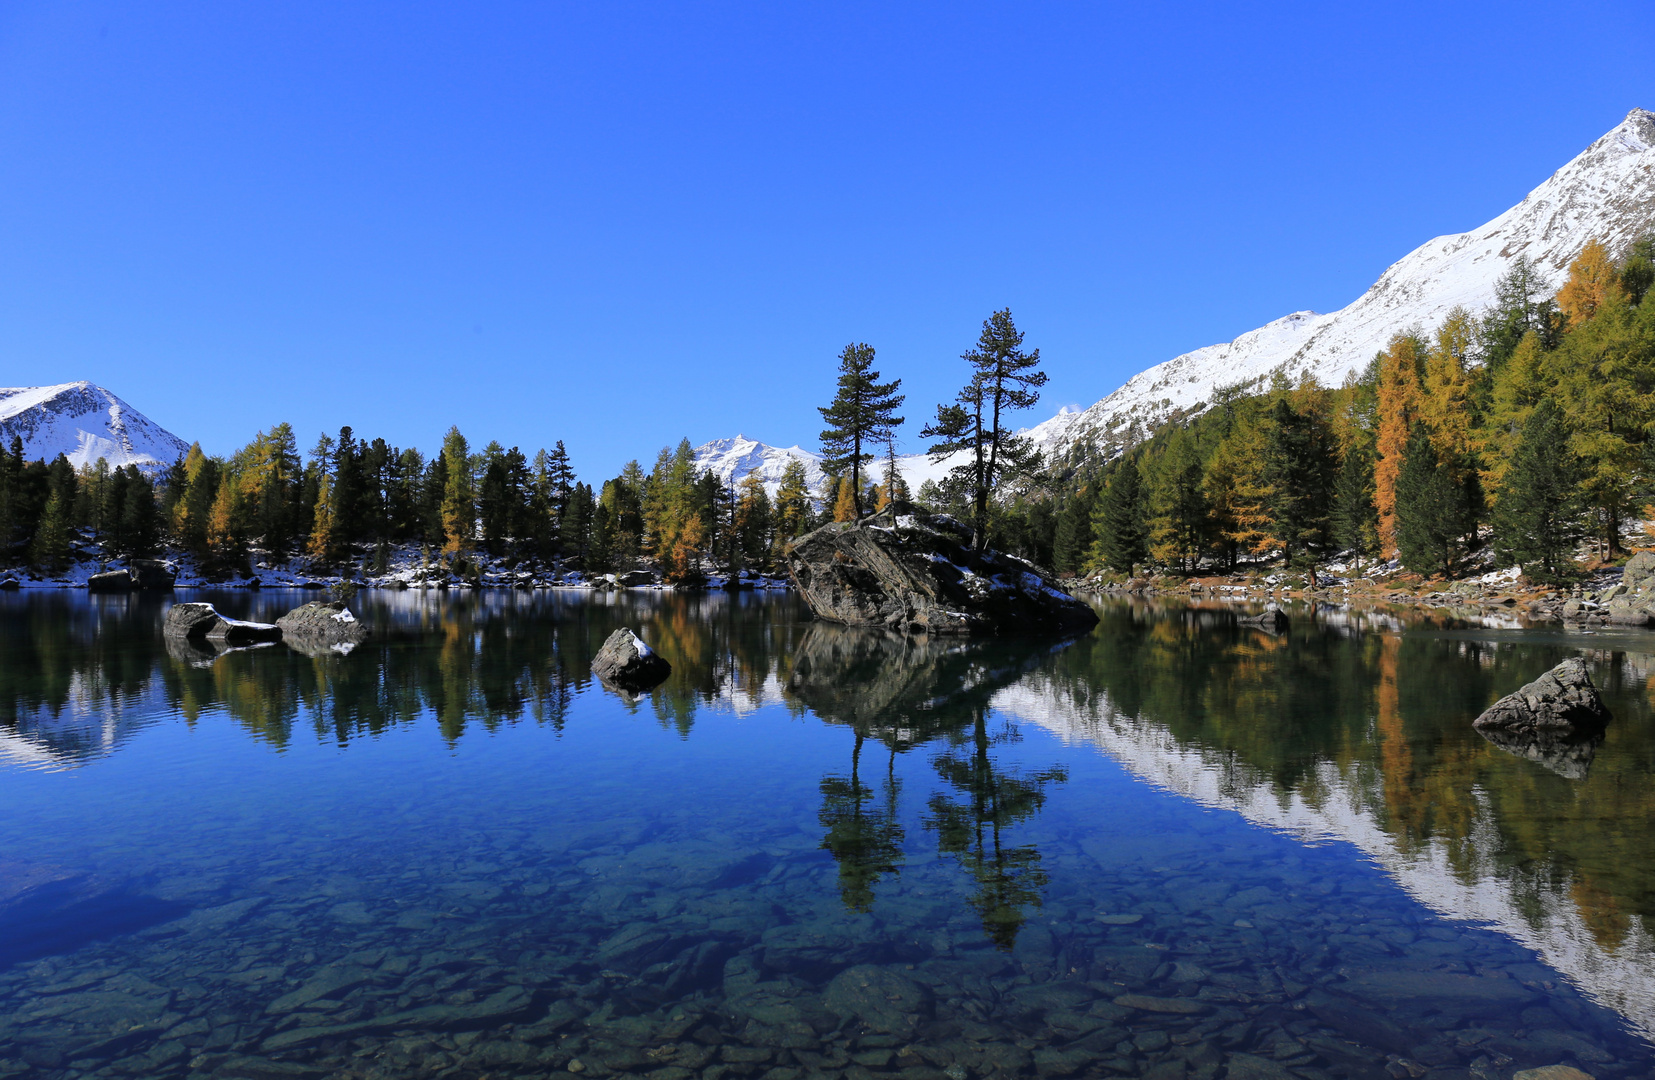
column 1518, row 436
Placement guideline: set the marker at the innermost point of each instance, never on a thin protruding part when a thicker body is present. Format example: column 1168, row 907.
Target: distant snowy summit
column 1607, row 193
column 85, row 423
column 732, row 459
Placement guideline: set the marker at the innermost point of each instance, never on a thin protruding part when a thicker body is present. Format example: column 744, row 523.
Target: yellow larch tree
column 1399, row 394
column 1592, row 278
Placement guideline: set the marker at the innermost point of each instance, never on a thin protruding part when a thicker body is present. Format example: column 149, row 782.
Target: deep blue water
column 1169, row 849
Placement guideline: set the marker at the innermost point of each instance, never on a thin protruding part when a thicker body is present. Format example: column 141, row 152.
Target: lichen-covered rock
column 913, row 572
column 321, row 626
column 1562, row 700
column 625, row 661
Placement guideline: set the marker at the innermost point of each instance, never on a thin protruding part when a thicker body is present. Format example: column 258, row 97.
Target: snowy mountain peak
column 732, row 459
column 1607, row 193
column 85, row 422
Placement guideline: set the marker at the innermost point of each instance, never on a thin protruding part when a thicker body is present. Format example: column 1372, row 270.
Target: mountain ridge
column 85, row 422
column 1606, row 192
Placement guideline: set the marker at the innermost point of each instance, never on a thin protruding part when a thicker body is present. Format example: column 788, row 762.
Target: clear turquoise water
column 1172, row 848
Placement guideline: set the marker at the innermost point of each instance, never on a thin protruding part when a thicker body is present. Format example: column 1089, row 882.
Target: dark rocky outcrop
column 1561, row 702
column 322, row 626
column 202, row 622
column 908, row 571
column 627, row 663
column 139, row 574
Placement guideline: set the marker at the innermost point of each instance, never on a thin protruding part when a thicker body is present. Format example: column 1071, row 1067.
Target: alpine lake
column 1172, row 848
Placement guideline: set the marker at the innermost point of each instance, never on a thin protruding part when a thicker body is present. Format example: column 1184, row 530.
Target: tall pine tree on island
column 862, row 415
column 1004, row 379
column 1540, row 515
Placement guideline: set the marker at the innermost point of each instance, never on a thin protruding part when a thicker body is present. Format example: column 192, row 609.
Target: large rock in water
column 625, row 661
column 1562, row 701
column 199, row 622
column 322, row 626
column 1635, row 605
column 914, row 572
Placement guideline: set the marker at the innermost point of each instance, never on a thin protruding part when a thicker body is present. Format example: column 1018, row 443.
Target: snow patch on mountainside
column 85, row 422
column 1607, row 193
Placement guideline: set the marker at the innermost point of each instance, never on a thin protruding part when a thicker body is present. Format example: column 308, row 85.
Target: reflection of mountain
column 1368, row 740
column 907, row 691
column 84, row 726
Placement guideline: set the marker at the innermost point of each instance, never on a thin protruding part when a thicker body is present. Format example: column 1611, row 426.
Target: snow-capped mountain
column 732, row 459
column 1607, row 193
column 85, row 422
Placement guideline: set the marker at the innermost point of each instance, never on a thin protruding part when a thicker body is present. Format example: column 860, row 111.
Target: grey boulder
column 1561, row 701
column 322, row 626
column 918, row 573
column 626, row 662
column 202, row 622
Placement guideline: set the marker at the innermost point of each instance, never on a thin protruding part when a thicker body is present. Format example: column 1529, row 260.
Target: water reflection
column 819, row 850
column 1367, row 737
column 907, row 691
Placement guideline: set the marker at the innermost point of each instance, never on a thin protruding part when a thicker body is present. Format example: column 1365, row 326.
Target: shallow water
column 1171, row 848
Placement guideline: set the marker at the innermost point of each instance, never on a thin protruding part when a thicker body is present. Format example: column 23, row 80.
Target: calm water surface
column 1172, row 848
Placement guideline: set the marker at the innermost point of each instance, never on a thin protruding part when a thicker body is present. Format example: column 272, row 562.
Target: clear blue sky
column 619, row 224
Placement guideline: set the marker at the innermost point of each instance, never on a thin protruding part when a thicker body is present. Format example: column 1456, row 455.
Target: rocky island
column 905, row 570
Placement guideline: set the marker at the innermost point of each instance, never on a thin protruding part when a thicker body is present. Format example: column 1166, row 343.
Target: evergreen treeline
column 1528, row 430
column 349, row 501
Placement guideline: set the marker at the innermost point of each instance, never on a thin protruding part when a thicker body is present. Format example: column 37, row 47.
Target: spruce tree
column 1072, row 539
column 1432, row 518
column 1355, row 517
column 1540, row 515
column 862, row 415
column 50, row 550
column 1298, row 474
column 1118, row 524
column 459, row 504
column 140, row 523
column 1004, row 379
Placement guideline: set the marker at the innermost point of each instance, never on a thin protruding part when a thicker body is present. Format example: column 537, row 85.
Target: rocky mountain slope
column 1606, row 193
column 85, row 422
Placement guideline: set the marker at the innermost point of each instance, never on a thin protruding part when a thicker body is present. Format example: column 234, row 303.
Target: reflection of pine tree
column 1009, row 878
column 866, row 843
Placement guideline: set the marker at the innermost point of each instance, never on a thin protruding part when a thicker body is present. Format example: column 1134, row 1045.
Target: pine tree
column 1298, row 470
column 1178, row 505
column 459, row 504
column 792, row 512
column 50, row 550
column 1355, row 517
column 1118, row 525
column 753, row 522
column 1522, row 305
column 140, row 522
column 1432, row 519
column 1592, row 280
column 1539, row 517
column 1004, row 379
column 1072, row 539
column 845, row 505
column 1398, row 406
column 861, row 415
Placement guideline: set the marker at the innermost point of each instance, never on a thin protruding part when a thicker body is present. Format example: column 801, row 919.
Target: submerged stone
column 908, row 571
column 879, row 997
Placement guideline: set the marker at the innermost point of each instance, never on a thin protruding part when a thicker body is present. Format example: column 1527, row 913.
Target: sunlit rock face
column 907, row 571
